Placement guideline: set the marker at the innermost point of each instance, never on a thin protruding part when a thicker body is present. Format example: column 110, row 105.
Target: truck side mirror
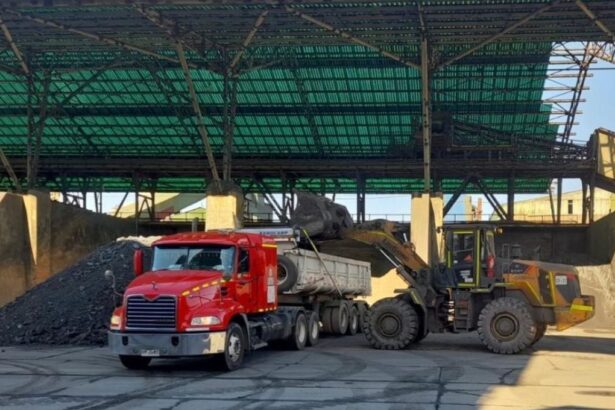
column 137, row 262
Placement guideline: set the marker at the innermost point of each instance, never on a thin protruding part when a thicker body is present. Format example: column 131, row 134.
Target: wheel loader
column 508, row 302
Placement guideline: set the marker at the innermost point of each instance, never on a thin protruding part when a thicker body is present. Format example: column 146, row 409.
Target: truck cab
column 210, row 293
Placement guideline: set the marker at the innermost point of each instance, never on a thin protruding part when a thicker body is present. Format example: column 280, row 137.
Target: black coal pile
column 75, row 305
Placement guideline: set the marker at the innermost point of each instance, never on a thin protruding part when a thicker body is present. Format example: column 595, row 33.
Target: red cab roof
column 215, row 237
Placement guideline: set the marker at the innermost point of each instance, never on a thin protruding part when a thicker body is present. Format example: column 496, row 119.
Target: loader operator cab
column 470, row 253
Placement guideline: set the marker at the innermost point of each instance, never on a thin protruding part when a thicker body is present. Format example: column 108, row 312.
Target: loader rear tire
column 390, row 324
column 506, row 326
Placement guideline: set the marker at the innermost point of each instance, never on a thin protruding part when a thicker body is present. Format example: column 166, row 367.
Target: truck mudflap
column 167, row 344
column 580, row 310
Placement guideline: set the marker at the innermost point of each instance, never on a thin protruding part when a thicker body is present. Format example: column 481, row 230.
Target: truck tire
column 353, row 321
column 506, row 326
column 313, row 329
column 541, row 329
column 299, row 337
column 234, row 348
column 326, row 320
column 135, row 362
column 287, row 273
column 339, row 319
column 390, row 324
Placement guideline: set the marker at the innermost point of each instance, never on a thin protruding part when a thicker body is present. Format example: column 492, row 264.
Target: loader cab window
column 463, row 247
column 462, row 256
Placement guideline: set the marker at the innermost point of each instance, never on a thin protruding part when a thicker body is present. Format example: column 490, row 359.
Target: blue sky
column 598, row 112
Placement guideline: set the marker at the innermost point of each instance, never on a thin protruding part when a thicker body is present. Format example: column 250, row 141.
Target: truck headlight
column 204, row 321
column 116, row 321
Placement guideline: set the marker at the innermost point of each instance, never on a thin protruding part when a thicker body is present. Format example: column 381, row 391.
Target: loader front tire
column 506, row 326
column 390, row 324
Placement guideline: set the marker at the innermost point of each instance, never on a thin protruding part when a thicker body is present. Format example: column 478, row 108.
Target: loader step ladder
column 462, row 316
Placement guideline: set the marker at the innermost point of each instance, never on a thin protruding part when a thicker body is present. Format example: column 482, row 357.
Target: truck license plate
column 150, row 352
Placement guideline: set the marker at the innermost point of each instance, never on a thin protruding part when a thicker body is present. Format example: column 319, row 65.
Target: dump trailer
column 225, row 293
column 509, row 303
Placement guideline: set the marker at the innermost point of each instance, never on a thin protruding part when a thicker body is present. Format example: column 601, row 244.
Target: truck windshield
column 211, row 257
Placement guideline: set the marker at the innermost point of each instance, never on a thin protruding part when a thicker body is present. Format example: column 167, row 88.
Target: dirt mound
column 73, row 306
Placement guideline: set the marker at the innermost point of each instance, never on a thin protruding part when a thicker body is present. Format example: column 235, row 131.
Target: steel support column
column 360, row 199
column 229, row 97
column 456, row 195
column 559, row 200
column 491, row 198
column 511, row 199
column 10, row 171
column 202, row 129
column 426, row 112
column 584, row 201
column 592, row 197
column 16, row 51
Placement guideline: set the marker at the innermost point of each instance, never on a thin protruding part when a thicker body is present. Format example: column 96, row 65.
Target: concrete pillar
column 38, row 217
column 224, row 207
column 427, row 216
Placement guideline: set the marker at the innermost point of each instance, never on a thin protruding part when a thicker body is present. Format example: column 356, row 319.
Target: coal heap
column 75, row 305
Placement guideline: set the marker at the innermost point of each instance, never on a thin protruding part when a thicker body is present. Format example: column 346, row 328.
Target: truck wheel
column 390, row 324
column 506, row 326
column 135, row 362
column 300, row 333
column 287, row 273
column 234, row 348
column 353, row 321
column 326, row 320
column 541, row 329
column 339, row 319
column 313, row 330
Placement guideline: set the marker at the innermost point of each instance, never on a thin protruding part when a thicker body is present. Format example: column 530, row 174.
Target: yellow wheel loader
column 509, row 303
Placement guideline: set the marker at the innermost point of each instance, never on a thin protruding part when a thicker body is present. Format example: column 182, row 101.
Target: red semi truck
column 225, row 293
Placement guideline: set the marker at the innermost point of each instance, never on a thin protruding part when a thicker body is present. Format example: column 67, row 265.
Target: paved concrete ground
column 571, row 369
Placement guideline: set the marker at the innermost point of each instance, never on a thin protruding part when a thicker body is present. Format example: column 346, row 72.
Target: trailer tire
column 390, row 324
column 339, row 319
column 541, row 329
column 135, row 362
column 353, row 321
column 326, row 320
column 287, row 273
column 234, row 348
column 506, row 326
column 298, row 339
column 313, row 329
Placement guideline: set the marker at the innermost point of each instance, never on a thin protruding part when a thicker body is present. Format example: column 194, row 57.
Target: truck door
column 244, row 279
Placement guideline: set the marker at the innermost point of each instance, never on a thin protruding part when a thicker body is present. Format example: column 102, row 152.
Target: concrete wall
column 564, row 244
column 601, row 239
column 15, row 254
column 39, row 238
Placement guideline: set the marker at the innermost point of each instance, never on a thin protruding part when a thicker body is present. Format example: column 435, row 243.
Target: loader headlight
column 204, row 321
column 116, row 321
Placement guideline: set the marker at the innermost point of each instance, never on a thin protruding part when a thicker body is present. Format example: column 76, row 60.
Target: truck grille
column 157, row 314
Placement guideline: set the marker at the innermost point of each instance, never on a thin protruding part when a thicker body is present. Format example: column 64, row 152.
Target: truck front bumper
column 166, row 344
column 580, row 310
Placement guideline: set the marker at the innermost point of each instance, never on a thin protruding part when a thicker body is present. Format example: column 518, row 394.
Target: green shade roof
column 302, row 92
